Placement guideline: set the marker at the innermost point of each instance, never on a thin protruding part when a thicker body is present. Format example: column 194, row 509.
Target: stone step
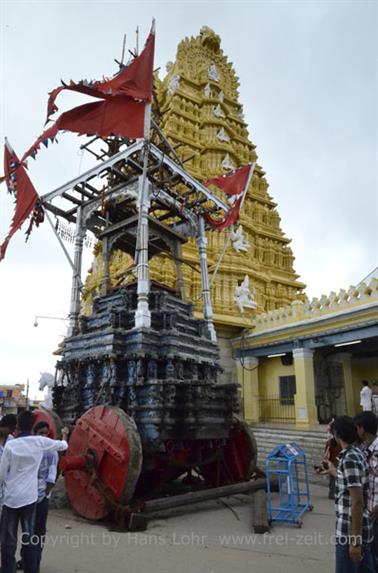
column 312, row 442
column 317, row 434
column 271, row 442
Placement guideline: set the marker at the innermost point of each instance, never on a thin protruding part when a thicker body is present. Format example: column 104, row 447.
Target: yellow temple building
column 198, row 110
column 201, row 116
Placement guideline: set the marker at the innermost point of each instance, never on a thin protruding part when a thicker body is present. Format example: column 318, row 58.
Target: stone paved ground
column 216, row 539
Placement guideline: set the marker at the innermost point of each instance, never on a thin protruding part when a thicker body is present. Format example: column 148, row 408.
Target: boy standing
column 19, row 467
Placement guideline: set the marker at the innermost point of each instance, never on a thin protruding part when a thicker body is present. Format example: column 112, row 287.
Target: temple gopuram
column 198, row 110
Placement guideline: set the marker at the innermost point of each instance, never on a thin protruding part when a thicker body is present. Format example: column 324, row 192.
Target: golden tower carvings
column 203, row 120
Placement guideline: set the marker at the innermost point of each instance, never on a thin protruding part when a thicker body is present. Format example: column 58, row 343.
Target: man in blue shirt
column 8, row 424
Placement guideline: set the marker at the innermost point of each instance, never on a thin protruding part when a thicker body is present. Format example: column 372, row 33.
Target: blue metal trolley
column 287, row 465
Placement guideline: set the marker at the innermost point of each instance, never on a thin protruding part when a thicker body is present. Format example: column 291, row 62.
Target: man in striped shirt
column 353, row 524
column 367, row 427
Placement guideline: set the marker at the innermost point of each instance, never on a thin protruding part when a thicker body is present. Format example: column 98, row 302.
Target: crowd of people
column 28, row 472
column 351, row 461
column 29, row 465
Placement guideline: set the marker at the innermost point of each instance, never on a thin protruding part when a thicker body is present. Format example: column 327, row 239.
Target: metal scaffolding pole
column 206, row 300
column 76, row 276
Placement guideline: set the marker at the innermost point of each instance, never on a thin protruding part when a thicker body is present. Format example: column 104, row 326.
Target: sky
column 308, row 83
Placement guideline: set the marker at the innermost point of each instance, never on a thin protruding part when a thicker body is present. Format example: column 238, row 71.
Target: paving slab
column 215, row 537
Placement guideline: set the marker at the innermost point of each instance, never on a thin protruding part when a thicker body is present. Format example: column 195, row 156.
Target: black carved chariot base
column 165, row 377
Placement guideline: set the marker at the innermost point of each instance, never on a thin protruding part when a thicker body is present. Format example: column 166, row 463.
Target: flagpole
column 206, row 299
column 220, row 259
column 143, row 313
column 226, row 243
column 252, row 168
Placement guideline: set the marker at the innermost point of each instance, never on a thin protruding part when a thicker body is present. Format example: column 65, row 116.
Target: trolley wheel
column 237, row 459
column 310, row 508
column 112, row 437
column 52, row 419
column 299, row 524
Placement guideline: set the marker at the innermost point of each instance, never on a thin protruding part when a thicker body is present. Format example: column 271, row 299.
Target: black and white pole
column 76, row 276
column 143, row 314
column 206, row 300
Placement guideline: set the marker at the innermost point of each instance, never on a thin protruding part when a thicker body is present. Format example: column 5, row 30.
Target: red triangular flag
column 19, row 184
column 132, row 81
column 119, row 116
column 235, row 185
column 121, row 111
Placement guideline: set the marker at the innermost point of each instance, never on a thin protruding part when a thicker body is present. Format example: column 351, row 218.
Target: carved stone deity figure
column 243, row 296
column 239, row 242
column 221, row 96
column 152, row 370
column 131, row 371
column 222, row 135
column 213, row 73
column 90, row 375
column 173, row 85
column 207, row 90
column 179, row 370
column 218, row 111
column 140, row 369
column 227, row 163
column 169, row 369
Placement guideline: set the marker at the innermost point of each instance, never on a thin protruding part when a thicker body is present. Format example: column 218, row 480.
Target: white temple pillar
column 143, row 314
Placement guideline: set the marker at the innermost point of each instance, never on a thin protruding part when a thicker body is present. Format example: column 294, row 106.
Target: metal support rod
column 180, row 284
column 204, row 495
column 94, row 171
column 206, row 300
column 105, row 260
column 76, row 276
column 167, row 142
column 187, row 178
column 60, row 241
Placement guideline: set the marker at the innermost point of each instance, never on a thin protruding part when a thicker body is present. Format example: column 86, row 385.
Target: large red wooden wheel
column 236, row 460
column 111, row 437
column 53, row 420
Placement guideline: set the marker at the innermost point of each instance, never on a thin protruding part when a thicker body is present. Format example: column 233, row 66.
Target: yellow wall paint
column 270, row 369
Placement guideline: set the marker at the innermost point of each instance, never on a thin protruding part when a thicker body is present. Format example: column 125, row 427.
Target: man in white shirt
column 19, row 467
column 365, row 396
column 374, row 397
column 8, row 424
